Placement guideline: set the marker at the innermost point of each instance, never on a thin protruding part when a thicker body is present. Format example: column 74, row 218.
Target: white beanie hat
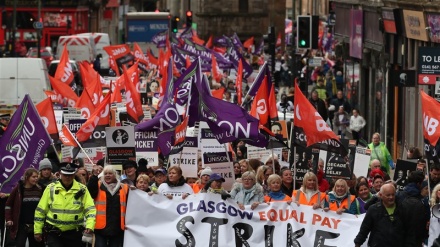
column 44, row 164
column 206, row 171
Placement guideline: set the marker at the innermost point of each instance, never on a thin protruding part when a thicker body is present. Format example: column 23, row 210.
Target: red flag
column 259, row 107
column 216, row 74
column 153, row 59
column 116, row 93
column 209, row 43
column 64, row 71
column 239, row 82
column 431, row 113
column 307, row 118
column 218, row 93
column 45, row 109
column 248, row 43
column 133, row 104
column 66, row 137
column 144, row 64
column 278, row 40
column 197, row 40
column 64, row 92
column 51, row 95
column 89, row 126
column 113, row 65
column 273, row 111
column 86, row 105
column 180, row 132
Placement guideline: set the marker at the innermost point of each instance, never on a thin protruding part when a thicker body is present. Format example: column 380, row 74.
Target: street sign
column 315, row 62
column 38, row 25
column 428, row 66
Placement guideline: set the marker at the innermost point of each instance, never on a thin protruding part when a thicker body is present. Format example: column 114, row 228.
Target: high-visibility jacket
column 267, row 198
column 61, row 209
column 318, row 197
column 348, row 204
column 101, row 206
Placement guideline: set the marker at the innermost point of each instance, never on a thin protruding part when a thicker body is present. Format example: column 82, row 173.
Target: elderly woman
column 379, row 151
column 275, row 194
column 309, row 193
column 249, row 192
column 20, row 209
column 339, row 199
column 111, row 205
column 175, row 185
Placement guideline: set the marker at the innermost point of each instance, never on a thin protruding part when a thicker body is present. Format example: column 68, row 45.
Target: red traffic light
column 189, row 13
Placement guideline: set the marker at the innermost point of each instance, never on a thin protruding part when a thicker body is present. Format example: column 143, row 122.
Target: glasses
column 247, row 179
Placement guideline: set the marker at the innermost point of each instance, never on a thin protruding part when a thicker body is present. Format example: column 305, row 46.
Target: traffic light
column 174, row 24
column 189, row 18
column 304, row 24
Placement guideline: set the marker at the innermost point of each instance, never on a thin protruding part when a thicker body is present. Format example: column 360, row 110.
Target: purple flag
column 222, row 41
column 187, row 33
column 227, row 121
column 234, row 57
column 237, row 43
column 160, row 39
column 206, row 54
column 259, row 48
column 264, row 70
column 22, row 145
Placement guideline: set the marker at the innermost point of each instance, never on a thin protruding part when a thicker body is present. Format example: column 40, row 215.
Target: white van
column 80, row 47
column 101, row 40
column 21, row 76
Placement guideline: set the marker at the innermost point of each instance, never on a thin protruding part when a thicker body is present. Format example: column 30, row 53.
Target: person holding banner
column 339, row 199
column 110, row 197
column 363, row 195
column 175, row 184
column 130, row 169
column 204, row 178
column 249, row 192
column 275, row 194
column 214, row 185
column 384, row 222
column 309, row 193
column 20, row 209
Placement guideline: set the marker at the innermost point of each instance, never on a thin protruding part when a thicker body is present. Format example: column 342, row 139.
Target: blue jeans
column 113, row 241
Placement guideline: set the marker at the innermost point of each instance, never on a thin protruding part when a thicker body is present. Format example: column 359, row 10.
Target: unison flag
column 22, row 145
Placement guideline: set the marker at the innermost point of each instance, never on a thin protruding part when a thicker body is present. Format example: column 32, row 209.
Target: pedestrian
column 357, row 123
column 64, row 208
column 20, row 209
column 339, row 199
column 97, row 63
column 275, row 193
column 201, row 182
column 175, row 185
column 111, row 206
column 380, row 151
column 130, row 169
column 341, row 122
column 249, row 192
column 383, row 222
column 319, row 105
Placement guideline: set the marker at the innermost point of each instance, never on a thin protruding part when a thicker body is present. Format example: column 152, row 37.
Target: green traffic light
column 302, row 42
column 175, row 30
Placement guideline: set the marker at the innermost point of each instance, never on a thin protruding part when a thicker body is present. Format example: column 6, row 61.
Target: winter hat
column 206, row 171
column 44, row 164
column 377, row 173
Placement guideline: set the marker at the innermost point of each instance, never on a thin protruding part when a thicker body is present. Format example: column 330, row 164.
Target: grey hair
column 111, row 169
column 249, row 174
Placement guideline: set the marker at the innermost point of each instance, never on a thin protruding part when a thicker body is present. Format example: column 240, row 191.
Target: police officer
column 64, row 206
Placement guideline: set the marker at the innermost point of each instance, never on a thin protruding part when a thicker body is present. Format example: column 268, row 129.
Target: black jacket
column 319, row 105
column 383, row 231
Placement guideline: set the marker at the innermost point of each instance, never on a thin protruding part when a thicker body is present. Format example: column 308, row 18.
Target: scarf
column 215, row 191
column 337, row 198
column 112, row 187
column 247, row 194
column 277, row 195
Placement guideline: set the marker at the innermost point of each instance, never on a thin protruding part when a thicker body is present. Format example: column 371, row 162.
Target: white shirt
column 165, row 189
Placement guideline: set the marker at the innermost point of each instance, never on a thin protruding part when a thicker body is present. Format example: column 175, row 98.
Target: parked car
column 46, row 54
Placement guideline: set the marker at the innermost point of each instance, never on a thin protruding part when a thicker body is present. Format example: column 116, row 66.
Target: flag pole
column 54, row 149
column 253, row 84
column 79, row 145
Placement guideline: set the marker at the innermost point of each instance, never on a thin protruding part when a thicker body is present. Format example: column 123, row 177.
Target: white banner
column 207, row 220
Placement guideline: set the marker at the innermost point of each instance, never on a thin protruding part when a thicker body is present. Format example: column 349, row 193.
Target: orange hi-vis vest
column 300, row 197
column 101, row 206
column 345, row 204
column 270, row 199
